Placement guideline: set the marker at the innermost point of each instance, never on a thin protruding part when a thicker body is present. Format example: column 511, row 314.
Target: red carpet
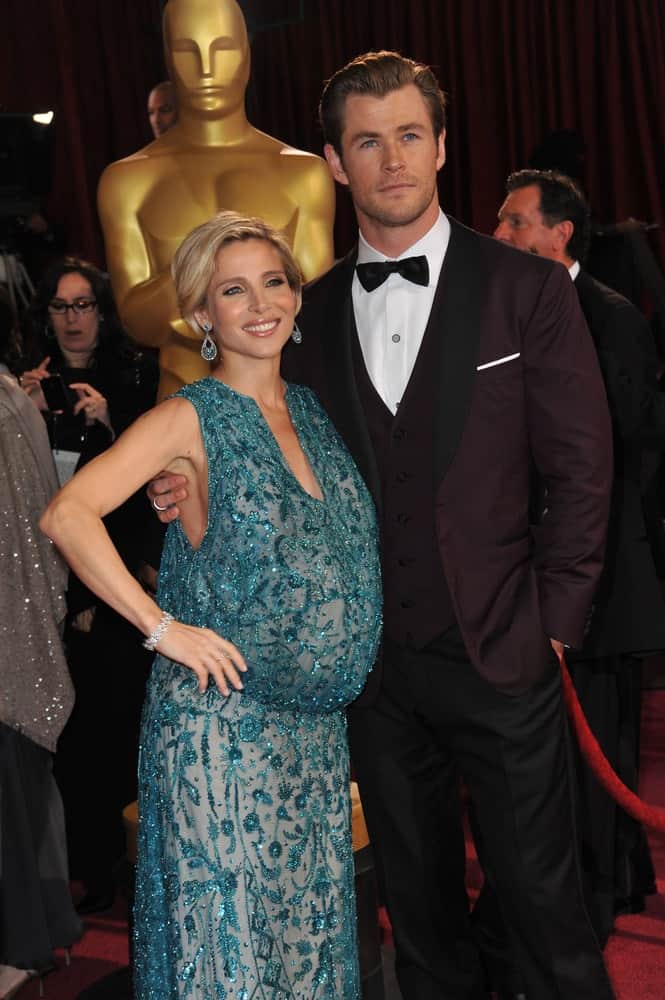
column 102, row 949
column 635, row 954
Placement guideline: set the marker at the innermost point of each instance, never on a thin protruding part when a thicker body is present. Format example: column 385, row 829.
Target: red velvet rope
column 651, row 816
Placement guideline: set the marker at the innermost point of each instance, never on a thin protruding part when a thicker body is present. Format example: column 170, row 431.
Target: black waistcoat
column 417, row 604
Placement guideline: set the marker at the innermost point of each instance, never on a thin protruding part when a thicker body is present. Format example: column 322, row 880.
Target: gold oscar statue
column 211, row 159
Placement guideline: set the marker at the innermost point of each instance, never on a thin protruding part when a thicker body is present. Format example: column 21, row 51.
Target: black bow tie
column 375, row 272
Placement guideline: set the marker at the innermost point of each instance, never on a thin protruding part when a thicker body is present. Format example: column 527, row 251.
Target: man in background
column 545, row 213
column 162, row 108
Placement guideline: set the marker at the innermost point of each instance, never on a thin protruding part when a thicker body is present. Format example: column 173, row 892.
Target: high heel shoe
column 13, row 979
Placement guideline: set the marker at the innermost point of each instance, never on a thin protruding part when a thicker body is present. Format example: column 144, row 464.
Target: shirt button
column 403, row 518
column 402, row 477
column 399, row 434
column 407, row 604
column 396, row 338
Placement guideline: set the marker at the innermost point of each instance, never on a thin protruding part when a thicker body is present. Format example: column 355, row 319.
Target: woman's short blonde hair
column 195, row 259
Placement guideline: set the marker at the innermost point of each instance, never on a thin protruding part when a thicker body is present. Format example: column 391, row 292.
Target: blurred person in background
column 546, row 214
column 73, row 332
column 162, row 108
column 36, row 695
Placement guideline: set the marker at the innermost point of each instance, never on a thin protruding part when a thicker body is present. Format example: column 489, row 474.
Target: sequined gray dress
column 245, row 873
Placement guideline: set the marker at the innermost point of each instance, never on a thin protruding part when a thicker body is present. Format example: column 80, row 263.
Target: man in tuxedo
column 450, row 364
column 447, row 370
column 546, row 213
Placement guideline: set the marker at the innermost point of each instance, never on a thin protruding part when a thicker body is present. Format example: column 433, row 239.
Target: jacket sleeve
column 629, row 363
column 571, row 443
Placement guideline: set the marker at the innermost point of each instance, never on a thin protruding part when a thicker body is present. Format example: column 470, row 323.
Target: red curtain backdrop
column 513, row 69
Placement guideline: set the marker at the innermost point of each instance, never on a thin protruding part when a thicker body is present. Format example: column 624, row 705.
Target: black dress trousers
column 435, row 719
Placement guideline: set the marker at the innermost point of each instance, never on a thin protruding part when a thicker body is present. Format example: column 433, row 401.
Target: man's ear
column 441, row 149
column 564, row 231
column 334, row 161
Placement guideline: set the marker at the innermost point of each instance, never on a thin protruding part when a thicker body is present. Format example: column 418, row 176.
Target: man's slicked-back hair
column 561, row 200
column 376, row 74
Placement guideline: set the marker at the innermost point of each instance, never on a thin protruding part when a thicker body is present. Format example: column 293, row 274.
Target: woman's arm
column 162, row 437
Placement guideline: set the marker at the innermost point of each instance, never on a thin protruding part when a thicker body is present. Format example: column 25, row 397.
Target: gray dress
column 36, row 697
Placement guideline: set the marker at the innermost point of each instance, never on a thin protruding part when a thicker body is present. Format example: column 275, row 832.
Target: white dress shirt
column 391, row 320
column 574, row 269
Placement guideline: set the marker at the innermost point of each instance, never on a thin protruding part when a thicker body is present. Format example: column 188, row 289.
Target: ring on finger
column 157, row 507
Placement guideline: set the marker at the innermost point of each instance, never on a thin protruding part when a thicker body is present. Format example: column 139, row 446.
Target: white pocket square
column 499, row 361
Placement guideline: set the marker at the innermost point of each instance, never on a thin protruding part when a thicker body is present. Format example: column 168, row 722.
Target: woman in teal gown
column 266, row 624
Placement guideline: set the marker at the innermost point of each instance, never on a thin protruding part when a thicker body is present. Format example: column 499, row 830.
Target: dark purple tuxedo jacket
column 519, row 385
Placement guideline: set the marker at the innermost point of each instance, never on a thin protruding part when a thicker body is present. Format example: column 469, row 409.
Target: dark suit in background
column 506, row 376
column 628, row 619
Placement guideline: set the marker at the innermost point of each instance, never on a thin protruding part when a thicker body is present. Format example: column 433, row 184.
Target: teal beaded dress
column 245, row 882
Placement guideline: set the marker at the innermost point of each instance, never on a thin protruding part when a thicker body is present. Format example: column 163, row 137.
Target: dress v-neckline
column 275, row 443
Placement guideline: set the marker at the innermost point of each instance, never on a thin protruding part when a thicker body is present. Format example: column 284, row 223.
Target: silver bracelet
column 160, row 628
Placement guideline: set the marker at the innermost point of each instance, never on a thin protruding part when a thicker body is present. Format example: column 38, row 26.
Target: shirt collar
column 433, row 245
column 574, row 269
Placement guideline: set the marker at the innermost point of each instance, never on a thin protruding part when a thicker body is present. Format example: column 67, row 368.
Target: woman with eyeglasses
column 72, row 330
column 91, row 381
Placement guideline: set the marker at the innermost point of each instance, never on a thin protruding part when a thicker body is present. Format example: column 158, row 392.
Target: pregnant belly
column 314, row 659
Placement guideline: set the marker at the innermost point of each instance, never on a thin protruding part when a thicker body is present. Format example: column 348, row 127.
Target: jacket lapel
column 346, row 409
column 457, row 313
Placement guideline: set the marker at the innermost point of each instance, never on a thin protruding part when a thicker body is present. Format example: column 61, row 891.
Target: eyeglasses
column 59, row 308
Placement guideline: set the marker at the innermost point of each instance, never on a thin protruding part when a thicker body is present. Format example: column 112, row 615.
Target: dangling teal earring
column 296, row 334
column 208, row 347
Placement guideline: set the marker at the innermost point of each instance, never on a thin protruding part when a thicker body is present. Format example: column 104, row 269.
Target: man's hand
column 164, row 493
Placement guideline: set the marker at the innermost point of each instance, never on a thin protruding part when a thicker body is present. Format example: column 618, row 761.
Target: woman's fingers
column 33, row 379
column 206, row 654
column 226, row 664
column 90, row 401
column 38, row 373
column 233, row 653
column 220, row 667
column 33, row 390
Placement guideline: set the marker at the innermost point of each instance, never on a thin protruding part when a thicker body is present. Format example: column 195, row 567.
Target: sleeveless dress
column 245, row 879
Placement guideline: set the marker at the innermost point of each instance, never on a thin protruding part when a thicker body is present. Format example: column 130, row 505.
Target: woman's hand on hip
column 206, row 654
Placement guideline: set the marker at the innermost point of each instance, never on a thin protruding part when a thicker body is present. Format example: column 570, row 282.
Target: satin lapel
column 346, row 409
column 457, row 312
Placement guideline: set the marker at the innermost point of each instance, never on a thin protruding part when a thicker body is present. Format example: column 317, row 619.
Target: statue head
column 207, row 54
